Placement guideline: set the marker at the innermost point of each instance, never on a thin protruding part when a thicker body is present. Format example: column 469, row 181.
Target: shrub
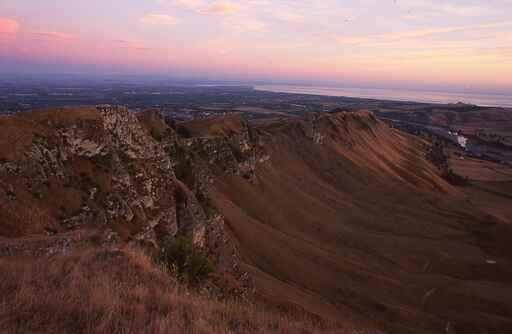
column 454, row 178
column 237, row 152
column 102, row 291
column 184, row 171
column 103, row 160
column 183, row 132
column 206, row 203
column 179, row 255
column 157, row 135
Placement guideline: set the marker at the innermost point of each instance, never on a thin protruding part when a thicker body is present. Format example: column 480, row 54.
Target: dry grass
column 214, row 127
column 121, row 291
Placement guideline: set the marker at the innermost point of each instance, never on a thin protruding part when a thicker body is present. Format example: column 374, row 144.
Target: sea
column 491, row 100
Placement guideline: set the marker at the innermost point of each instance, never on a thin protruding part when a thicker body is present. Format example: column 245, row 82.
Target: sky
column 417, row 44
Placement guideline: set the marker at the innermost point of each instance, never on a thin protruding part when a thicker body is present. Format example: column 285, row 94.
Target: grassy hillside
column 312, row 222
column 360, row 224
column 108, row 290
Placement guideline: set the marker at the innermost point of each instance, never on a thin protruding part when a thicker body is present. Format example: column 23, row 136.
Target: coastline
column 429, row 97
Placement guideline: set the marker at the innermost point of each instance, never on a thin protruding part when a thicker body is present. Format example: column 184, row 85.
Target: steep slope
column 83, row 166
column 348, row 219
column 120, row 290
column 335, row 214
column 107, row 169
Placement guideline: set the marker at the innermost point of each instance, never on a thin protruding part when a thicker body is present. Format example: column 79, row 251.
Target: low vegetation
column 454, row 178
column 179, row 256
column 122, row 291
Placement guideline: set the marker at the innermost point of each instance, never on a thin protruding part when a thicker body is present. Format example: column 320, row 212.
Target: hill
column 336, row 214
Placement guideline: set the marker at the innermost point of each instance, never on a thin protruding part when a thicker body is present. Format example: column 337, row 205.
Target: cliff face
column 108, row 167
column 95, row 166
column 336, row 214
column 110, row 170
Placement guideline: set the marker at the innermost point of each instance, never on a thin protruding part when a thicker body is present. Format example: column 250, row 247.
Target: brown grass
column 121, row 291
column 363, row 226
column 215, row 126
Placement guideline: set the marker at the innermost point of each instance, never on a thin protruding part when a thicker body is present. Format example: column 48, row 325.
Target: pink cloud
column 221, row 8
column 54, row 35
column 159, row 19
column 190, row 4
column 8, row 28
column 215, row 8
column 132, row 45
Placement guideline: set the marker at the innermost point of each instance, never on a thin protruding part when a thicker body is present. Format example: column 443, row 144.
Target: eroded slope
column 336, row 214
column 349, row 219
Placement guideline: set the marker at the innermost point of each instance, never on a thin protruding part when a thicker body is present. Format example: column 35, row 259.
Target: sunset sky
column 433, row 44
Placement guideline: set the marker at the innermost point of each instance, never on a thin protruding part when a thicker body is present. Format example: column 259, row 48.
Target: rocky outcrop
column 237, row 152
column 110, row 169
column 137, row 178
